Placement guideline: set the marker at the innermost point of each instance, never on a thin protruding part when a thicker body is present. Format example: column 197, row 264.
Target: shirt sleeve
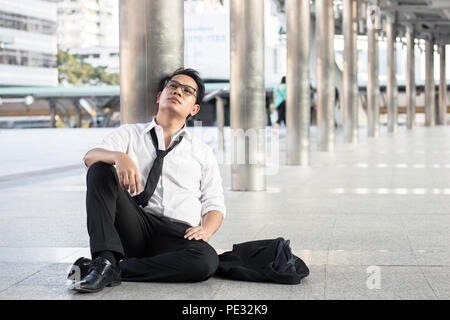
column 117, row 140
column 212, row 197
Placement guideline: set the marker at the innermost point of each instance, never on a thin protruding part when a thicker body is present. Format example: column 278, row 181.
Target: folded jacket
column 268, row 260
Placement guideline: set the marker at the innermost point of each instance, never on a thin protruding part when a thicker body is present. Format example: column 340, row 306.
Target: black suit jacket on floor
column 254, row 261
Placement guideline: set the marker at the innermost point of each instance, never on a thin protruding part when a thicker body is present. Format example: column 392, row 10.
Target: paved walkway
column 372, row 221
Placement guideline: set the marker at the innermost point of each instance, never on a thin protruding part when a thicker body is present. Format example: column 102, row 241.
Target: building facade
column 28, row 43
column 100, row 56
column 87, row 24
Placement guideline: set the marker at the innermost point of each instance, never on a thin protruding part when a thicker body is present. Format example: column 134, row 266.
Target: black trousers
column 281, row 110
column 153, row 247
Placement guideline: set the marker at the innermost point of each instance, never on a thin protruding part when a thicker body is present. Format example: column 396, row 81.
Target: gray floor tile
column 439, row 279
column 381, row 203
column 12, row 273
column 432, row 257
column 164, row 291
column 373, row 257
column 350, row 282
column 47, row 292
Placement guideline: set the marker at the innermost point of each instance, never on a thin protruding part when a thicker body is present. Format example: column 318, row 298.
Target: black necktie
column 155, row 171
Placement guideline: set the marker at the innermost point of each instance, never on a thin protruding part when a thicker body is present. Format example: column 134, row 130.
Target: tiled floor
column 382, row 205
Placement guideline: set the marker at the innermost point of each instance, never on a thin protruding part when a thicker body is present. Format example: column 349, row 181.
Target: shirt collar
column 150, row 125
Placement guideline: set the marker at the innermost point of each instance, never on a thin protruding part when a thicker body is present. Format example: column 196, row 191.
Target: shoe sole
column 84, row 290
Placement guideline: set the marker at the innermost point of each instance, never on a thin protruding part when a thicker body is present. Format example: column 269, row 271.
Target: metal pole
column 220, row 116
column 410, row 80
column 377, row 87
column 52, row 114
column 297, row 81
column 391, row 75
column 78, row 115
column 442, row 87
column 350, row 72
column 247, row 94
column 429, row 83
column 355, row 77
column 373, row 92
column 151, row 46
column 325, row 74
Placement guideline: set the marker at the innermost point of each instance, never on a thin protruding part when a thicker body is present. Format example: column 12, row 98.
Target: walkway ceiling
column 428, row 18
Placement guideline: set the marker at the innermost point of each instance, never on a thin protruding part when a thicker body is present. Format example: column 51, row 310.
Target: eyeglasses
column 174, row 85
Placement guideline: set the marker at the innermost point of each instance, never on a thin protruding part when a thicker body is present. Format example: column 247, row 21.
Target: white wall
column 207, row 44
column 11, row 75
column 33, row 8
column 29, row 41
column 207, row 40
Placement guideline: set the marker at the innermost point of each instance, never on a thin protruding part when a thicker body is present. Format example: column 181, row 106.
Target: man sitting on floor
column 148, row 221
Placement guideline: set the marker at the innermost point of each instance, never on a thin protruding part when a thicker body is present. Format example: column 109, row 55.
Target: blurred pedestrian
column 280, row 102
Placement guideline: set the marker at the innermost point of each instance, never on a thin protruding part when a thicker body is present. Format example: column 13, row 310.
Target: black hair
column 190, row 73
column 283, row 80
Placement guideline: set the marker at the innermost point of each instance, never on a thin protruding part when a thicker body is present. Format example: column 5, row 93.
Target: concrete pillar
column 373, row 90
column 429, row 83
column 151, row 46
column 350, row 94
column 410, row 80
column 325, row 74
column 391, row 89
column 247, row 95
column 442, row 114
column 297, row 82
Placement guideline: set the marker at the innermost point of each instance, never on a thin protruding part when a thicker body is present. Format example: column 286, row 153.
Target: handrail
column 213, row 94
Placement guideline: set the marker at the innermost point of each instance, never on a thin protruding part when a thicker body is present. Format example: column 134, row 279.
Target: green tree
column 72, row 69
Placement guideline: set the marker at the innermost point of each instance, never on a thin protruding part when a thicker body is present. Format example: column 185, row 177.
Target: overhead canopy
column 428, row 18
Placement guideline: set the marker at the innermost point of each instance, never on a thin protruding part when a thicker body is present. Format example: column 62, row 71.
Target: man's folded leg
column 194, row 260
column 154, row 248
column 114, row 221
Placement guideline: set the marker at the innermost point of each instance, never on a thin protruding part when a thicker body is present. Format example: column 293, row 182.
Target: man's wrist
column 208, row 234
column 207, row 231
column 116, row 156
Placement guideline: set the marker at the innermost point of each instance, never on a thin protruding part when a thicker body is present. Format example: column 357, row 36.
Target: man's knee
column 100, row 172
column 206, row 263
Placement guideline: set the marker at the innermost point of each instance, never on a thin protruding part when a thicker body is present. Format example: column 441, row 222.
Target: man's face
column 177, row 100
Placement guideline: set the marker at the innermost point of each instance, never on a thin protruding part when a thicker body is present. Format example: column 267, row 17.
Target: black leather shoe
column 79, row 270
column 101, row 274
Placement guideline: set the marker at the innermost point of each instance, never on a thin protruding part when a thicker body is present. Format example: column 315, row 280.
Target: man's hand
column 211, row 221
column 128, row 173
column 198, row 233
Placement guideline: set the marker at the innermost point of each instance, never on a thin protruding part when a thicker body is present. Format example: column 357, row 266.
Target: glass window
column 20, row 22
column 27, row 58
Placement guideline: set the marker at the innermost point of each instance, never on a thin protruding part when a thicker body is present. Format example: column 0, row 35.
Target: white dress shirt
column 190, row 185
